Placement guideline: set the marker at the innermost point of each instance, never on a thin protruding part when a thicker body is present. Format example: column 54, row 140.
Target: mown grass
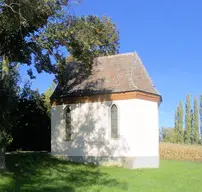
column 171, row 151
column 41, row 172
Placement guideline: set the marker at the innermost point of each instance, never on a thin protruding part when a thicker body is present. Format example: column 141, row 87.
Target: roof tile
column 110, row 74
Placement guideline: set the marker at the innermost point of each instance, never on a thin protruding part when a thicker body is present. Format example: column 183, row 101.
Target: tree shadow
column 90, row 125
column 91, row 140
column 78, row 80
column 40, row 172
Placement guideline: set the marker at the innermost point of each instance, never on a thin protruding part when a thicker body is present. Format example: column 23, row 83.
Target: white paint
column 138, row 128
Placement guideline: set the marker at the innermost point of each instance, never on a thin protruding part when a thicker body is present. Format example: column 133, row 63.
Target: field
column 41, row 172
column 171, row 151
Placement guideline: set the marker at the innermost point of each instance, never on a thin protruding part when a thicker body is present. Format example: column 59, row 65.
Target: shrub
column 169, row 135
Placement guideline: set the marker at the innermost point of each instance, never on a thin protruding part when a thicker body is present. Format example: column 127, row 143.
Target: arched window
column 67, row 112
column 114, row 122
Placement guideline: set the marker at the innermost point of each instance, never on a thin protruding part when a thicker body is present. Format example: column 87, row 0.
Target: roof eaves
column 136, row 90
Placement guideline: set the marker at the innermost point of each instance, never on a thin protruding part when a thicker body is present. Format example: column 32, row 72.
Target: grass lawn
column 42, row 173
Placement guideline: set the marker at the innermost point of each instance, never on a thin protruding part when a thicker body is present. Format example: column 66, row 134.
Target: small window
column 67, row 123
column 114, row 122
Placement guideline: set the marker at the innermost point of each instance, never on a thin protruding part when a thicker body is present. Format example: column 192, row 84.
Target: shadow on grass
column 39, row 172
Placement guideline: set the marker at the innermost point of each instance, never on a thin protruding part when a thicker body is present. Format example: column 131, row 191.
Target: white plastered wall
column 138, row 128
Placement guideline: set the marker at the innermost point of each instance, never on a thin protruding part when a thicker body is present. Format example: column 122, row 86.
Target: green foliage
column 38, row 29
column 24, row 121
column 191, row 133
column 179, row 114
column 31, row 130
column 93, row 36
column 192, row 126
column 200, row 111
column 47, row 96
column 5, row 139
column 196, row 122
column 169, row 135
column 176, row 120
column 20, row 23
column 9, row 91
column 188, row 128
column 84, row 38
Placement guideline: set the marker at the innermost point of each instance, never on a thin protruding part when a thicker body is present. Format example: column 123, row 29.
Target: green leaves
column 92, row 37
column 188, row 120
column 189, row 135
column 179, row 130
column 8, row 96
column 35, row 29
column 20, row 24
column 196, row 122
column 84, row 38
column 47, row 94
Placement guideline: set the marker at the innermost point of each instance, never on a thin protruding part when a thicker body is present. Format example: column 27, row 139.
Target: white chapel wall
column 137, row 121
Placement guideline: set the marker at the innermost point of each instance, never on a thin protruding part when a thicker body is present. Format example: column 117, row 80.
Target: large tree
column 200, row 111
column 176, row 122
column 179, row 123
column 195, row 122
column 84, row 38
column 37, row 30
column 20, row 23
column 192, row 126
column 32, row 128
column 9, row 90
column 188, row 120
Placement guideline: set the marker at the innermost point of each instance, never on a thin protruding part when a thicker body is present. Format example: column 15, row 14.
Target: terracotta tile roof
column 110, row 74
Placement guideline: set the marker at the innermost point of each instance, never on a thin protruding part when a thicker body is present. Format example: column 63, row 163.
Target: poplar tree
column 179, row 123
column 200, row 111
column 176, row 128
column 196, row 121
column 188, row 120
column 192, row 126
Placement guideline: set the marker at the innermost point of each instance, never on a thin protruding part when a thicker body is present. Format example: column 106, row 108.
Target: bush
column 169, row 135
column 32, row 131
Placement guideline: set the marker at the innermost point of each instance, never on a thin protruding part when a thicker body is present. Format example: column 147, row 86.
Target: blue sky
column 167, row 35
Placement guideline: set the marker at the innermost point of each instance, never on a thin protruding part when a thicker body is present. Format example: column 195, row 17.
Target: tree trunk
column 2, row 159
column 4, row 82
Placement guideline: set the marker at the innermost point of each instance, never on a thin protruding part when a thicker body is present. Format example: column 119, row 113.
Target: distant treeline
column 187, row 123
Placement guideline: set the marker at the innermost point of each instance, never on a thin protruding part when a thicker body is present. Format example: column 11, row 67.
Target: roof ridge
column 116, row 55
column 146, row 72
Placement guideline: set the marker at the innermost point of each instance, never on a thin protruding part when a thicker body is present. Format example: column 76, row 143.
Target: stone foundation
column 126, row 162
column 141, row 162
